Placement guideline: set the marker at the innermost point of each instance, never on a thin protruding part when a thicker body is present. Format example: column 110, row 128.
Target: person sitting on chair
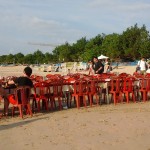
column 20, row 81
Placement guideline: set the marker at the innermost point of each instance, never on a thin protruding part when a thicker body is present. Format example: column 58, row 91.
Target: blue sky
column 28, row 25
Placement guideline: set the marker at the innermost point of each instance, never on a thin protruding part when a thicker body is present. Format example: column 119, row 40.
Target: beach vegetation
column 130, row 45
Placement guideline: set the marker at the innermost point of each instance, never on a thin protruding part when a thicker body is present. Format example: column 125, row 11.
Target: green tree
column 48, row 58
column 38, row 57
column 29, row 59
column 19, row 58
column 10, row 58
column 135, row 42
column 110, row 46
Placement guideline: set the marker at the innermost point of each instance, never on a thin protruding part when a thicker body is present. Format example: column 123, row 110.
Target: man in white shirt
column 143, row 65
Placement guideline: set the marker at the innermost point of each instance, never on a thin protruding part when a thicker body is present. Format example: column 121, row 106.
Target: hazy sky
column 26, row 23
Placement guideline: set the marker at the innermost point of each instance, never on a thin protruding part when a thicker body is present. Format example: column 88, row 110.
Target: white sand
column 18, row 70
column 107, row 127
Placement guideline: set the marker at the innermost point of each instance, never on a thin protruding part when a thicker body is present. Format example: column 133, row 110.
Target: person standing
column 108, row 67
column 98, row 66
column 91, row 71
column 142, row 65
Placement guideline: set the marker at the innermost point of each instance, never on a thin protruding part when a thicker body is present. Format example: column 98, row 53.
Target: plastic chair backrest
column 22, row 95
column 147, row 75
column 116, row 84
column 145, row 84
column 39, row 78
column 56, row 87
column 93, row 86
column 81, row 87
column 128, row 84
column 41, row 88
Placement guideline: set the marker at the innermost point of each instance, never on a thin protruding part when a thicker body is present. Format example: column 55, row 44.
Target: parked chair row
column 86, row 90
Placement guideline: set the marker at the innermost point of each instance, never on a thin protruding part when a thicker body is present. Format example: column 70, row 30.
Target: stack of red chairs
column 94, row 90
column 68, row 81
column 129, row 88
column 38, row 78
column 80, row 92
column 42, row 94
column 145, row 88
column 56, row 92
column 116, row 89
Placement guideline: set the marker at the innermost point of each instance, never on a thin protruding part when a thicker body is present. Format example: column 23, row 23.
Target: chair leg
column 39, row 105
column 77, row 101
column 97, row 98
column 84, row 100
column 29, row 109
column 46, row 104
column 144, row 96
column 20, row 111
column 13, row 111
column 60, row 104
column 70, row 100
column 34, row 104
column 115, row 98
column 52, row 102
column 127, row 97
column 90, row 97
column 133, row 97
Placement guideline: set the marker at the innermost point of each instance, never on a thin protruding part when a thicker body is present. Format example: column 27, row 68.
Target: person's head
column 90, row 62
column 143, row 58
column 95, row 59
column 28, row 71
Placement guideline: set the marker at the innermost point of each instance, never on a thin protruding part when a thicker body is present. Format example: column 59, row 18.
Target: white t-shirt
column 142, row 65
column 148, row 71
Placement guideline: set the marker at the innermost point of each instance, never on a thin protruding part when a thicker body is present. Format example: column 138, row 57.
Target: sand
column 18, row 70
column 106, row 127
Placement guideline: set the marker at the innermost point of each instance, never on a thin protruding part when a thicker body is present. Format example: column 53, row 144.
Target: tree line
column 130, row 45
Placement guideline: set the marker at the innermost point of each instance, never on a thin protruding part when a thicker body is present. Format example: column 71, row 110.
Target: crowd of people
column 98, row 66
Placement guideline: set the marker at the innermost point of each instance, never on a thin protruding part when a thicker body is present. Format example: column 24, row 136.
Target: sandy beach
column 18, row 70
column 106, row 127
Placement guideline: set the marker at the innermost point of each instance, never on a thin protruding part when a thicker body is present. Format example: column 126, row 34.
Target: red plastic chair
column 129, row 88
column 21, row 100
column 116, row 89
column 145, row 88
column 49, row 76
column 54, row 77
column 33, row 78
column 94, row 90
column 56, row 92
column 138, row 75
column 68, row 81
column 147, row 75
column 42, row 94
column 124, row 75
column 81, row 90
column 39, row 78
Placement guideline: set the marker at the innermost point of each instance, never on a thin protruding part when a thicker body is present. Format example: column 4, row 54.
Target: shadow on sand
column 20, row 123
